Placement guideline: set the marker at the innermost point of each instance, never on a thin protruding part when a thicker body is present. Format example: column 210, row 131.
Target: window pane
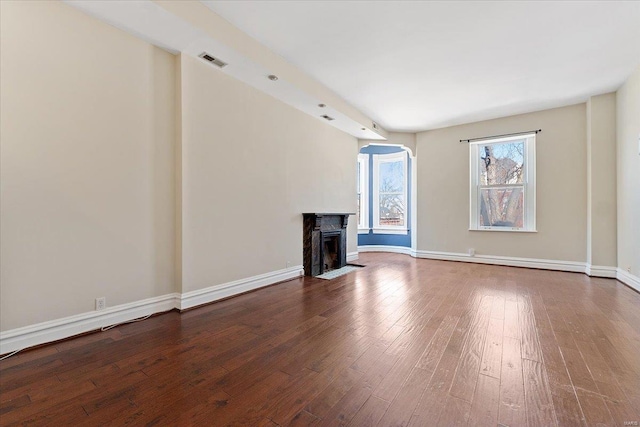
column 501, row 163
column 392, row 209
column 502, row 207
column 391, row 177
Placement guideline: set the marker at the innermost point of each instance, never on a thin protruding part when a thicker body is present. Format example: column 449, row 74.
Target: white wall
column 628, row 182
column 443, row 182
column 251, row 166
column 87, row 192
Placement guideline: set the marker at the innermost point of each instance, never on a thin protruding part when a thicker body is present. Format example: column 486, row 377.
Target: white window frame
column 378, row 159
column 529, row 184
column 363, row 225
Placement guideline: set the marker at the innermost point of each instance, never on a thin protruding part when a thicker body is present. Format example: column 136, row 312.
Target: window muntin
column 503, row 184
column 390, row 192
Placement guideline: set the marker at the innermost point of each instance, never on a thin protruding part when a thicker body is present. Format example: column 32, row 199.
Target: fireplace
column 324, row 242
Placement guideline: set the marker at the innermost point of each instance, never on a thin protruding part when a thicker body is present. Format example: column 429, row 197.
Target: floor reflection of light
column 378, row 296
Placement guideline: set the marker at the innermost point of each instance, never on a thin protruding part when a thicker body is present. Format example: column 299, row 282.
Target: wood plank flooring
column 402, row 342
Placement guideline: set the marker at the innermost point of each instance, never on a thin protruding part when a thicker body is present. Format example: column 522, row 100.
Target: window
column 503, row 184
column 390, row 193
column 362, row 213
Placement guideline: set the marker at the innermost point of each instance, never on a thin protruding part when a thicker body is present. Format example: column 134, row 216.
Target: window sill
column 402, row 231
column 363, row 230
column 509, row 230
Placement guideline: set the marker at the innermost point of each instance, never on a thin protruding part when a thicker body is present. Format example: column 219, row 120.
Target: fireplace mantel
column 319, row 228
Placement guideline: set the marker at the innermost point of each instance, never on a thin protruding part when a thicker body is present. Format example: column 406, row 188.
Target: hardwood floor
column 401, row 342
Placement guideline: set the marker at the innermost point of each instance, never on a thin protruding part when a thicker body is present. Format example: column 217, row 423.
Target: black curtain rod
column 500, row 136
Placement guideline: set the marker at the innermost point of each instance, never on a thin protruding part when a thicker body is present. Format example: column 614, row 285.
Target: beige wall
column 251, row 166
column 129, row 173
column 628, row 161
column 443, row 188
column 601, row 180
column 87, row 193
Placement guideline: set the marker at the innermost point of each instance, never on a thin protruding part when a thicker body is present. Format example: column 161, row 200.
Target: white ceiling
column 420, row 65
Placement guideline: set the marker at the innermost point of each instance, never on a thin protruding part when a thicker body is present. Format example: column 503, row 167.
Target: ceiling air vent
column 211, row 59
column 327, row 117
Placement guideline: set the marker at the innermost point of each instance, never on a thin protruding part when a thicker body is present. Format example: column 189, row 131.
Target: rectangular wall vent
column 211, row 59
column 327, row 117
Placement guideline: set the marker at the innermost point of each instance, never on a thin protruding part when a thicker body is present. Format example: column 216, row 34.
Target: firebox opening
column 331, row 252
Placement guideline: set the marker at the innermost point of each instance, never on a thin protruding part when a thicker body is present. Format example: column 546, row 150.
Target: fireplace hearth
column 324, row 242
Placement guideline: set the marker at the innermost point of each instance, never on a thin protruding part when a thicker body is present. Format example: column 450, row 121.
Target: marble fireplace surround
column 324, row 242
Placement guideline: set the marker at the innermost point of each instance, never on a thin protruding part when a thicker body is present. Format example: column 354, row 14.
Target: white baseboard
column 385, row 248
column 214, row 293
column 628, row 279
column 41, row 333
column 352, row 256
column 600, row 271
column 545, row 264
column 54, row 330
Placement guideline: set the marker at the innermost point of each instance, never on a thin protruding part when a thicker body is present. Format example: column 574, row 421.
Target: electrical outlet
column 288, row 264
column 629, row 269
column 472, row 252
column 101, row 303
